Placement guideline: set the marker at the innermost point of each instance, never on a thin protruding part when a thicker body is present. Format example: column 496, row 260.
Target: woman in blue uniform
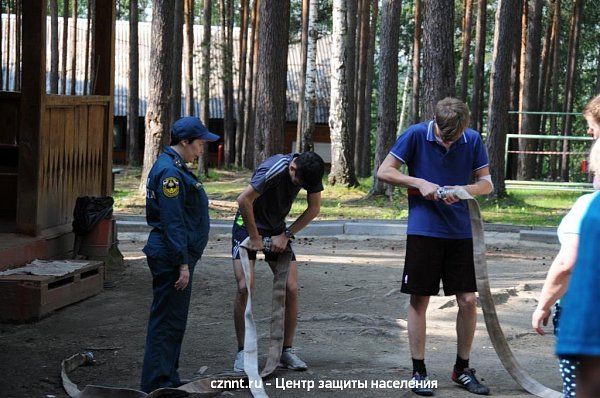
column 177, row 211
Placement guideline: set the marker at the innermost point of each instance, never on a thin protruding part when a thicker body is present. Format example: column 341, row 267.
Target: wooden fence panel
column 72, row 149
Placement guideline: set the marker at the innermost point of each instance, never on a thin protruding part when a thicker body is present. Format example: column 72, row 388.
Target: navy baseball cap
column 191, row 127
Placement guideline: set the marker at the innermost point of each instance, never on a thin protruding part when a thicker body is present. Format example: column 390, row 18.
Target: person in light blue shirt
column 569, row 235
column 440, row 153
column 177, row 211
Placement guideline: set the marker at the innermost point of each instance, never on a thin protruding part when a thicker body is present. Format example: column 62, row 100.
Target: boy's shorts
column 429, row 260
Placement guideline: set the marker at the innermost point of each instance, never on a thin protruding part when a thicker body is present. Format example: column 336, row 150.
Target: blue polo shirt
column 428, row 159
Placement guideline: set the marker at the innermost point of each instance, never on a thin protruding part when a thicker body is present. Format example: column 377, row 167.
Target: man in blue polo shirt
column 440, row 153
column 263, row 207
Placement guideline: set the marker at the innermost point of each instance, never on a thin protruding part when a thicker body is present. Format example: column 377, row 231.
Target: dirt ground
column 351, row 322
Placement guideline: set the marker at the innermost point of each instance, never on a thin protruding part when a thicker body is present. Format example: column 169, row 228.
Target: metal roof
column 216, row 86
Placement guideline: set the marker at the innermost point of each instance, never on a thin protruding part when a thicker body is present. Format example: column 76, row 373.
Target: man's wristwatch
column 288, row 234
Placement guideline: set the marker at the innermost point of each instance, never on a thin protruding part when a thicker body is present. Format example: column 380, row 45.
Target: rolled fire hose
column 202, row 387
column 280, row 272
column 492, row 324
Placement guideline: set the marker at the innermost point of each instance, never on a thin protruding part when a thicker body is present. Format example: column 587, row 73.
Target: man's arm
column 312, row 210
column 388, row 172
column 245, row 202
column 557, row 282
column 483, row 184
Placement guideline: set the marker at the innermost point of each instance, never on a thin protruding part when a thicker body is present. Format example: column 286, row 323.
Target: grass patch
column 521, row 207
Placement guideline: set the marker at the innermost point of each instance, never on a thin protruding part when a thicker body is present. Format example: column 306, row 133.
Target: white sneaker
column 291, row 361
column 238, row 364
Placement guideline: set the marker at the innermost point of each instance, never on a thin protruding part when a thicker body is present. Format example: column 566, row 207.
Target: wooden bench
column 25, row 298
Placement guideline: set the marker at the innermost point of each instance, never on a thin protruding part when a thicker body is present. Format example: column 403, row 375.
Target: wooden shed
column 53, row 148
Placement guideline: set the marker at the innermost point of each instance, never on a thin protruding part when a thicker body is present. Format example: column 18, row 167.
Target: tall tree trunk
column 545, row 57
column 478, row 67
column 205, row 81
column 8, row 34
column 438, row 61
column 466, row 47
column 570, row 83
column 227, row 76
column 530, row 123
column 53, row 46
column 86, row 66
column 73, row 51
column 362, row 158
column 351, row 70
column 189, row 56
column 597, row 73
column 388, row 86
column 65, row 38
column 342, row 165
column 18, row 35
column 1, row 36
column 416, row 61
column 241, row 115
column 303, row 51
column 232, row 121
column 544, row 86
column 93, row 60
column 370, row 70
column 500, row 91
column 515, row 92
column 522, row 58
column 250, row 92
column 133, row 147
column 554, row 99
column 160, row 75
column 402, row 118
column 177, row 62
column 271, row 78
column 310, row 97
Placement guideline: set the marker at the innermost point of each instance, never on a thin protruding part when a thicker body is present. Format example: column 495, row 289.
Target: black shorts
column 429, row 260
column 239, row 234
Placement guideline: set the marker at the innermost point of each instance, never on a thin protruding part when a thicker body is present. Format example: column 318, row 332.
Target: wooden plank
column 44, row 163
column 82, row 141
column 57, row 101
column 95, row 132
column 67, row 199
column 33, row 92
column 60, row 148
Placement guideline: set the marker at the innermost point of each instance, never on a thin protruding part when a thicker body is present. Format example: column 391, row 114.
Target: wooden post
column 33, row 95
column 105, row 61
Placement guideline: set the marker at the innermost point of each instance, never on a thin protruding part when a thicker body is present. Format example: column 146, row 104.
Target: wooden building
column 53, row 148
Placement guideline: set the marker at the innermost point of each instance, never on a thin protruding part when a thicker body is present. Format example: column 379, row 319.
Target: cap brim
column 210, row 137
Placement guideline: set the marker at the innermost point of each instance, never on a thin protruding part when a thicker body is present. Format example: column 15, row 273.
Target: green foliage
column 324, row 22
column 144, row 10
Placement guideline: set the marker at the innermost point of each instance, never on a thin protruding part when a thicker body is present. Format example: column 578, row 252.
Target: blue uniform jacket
column 177, row 209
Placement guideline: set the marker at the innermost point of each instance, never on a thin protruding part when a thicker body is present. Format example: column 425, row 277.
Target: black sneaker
column 419, row 388
column 467, row 379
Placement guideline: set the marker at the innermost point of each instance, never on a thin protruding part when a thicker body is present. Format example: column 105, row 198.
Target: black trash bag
column 89, row 211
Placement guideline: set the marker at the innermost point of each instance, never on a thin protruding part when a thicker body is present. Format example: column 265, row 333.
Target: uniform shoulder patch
column 170, row 187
